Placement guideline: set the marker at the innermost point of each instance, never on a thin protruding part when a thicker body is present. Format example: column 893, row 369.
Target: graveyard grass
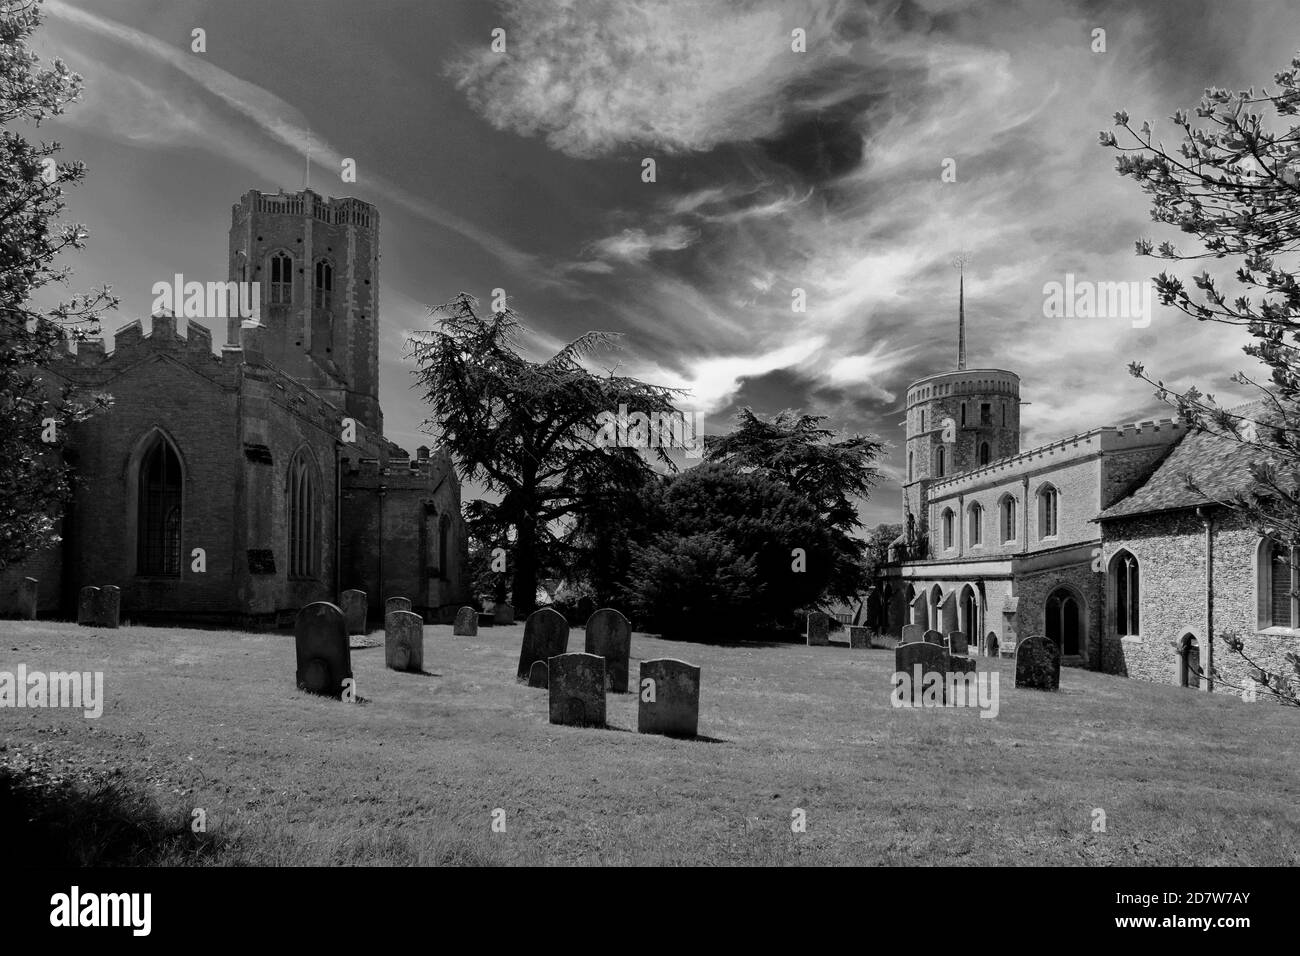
column 413, row 773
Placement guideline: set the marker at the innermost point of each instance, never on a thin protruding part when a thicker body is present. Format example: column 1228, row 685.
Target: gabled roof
column 1220, row 467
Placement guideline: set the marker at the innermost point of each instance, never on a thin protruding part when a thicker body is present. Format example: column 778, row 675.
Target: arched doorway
column 1064, row 625
column 970, row 623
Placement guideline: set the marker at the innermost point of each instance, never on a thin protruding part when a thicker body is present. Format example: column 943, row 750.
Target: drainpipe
column 383, row 493
column 338, row 520
column 1207, row 520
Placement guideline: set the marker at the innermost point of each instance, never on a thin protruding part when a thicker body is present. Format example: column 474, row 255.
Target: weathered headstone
column 27, row 592
column 819, row 629
column 933, row 637
column 859, row 636
column 577, row 685
column 108, row 606
column 957, row 643
column 87, row 603
column 932, row 659
column 1038, row 664
column 396, row 604
column 466, row 623
column 320, row 637
column 353, row 605
column 404, row 641
column 503, row 614
column 911, row 633
column 669, row 698
column 546, row 634
column 538, row 675
column 610, row 635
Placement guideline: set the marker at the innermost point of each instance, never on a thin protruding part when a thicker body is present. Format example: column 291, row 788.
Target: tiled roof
column 1219, row 467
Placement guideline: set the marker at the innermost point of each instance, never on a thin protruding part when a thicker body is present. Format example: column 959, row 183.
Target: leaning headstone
column 27, row 598
column 404, row 641
column 957, row 643
column 546, row 634
column 933, row 637
column 503, row 614
column 87, row 602
column 320, row 637
column 859, row 636
column 396, row 604
column 108, row 606
column 610, row 635
column 577, row 685
column 538, row 675
column 819, row 629
column 1038, row 664
column 669, row 698
column 930, row 658
column 466, row 623
column 912, row 632
column 353, row 605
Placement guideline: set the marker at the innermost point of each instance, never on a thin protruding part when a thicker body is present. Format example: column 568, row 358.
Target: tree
column 815, row 463
column 529, row 431
column 1234, row 185
column 35, row 414
column 876, row 553
column 715, row 555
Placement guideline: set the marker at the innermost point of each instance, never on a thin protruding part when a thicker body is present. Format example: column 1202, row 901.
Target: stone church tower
column 956, row 421
column 317, row 261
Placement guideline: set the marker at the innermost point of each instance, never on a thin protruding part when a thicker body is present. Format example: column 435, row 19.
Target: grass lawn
column 413, row 773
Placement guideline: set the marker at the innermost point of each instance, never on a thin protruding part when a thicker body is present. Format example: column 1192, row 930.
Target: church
column 231, row 489
column 1093, row 541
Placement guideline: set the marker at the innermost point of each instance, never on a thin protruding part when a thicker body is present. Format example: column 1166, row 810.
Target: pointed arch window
column 1048, row 511
column 940, row 461
column 1125, row 583
column 158, row 512
column 323, row 285
column 976, row 535
column 444, row 546
column 281, row 268
column 1007, row 519
column 948, row 526
column 984, row 453
column 304, row 504
column 1279, row 584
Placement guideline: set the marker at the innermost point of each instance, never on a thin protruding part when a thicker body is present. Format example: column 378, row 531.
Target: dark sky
column 776, row 170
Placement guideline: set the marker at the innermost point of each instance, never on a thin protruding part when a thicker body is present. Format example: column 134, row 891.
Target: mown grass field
column 413, row 773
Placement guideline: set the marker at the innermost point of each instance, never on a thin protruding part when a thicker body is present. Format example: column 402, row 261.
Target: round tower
column 956, row 422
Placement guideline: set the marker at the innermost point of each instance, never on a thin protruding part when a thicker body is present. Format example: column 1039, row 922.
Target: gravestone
column 859, row 636
column 466, row 623
column 932, row 660
column 957, row 643
column 27, row 592
column 610, row 635
column 669, row 702
column 1038, row 664
column 961, row 665
column 577, row 685
column 396, row 604
column 546, row 634
column 353, row 605
column 485, row 619
column 404, row 641
column 87, row 601
column 912, row 633
column 819, row 629
column 538, row 675
column 320, row 636
column 108, row 606
column 503, row 614
column 933, row 637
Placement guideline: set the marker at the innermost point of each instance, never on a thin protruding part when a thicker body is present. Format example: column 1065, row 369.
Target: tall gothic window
column 948, row 524
column 324, row 285
column 1008, row 519
column 281, row 279
column 444, row 546
column 1124, row 580
column 158, row 516
column 984, row 453
column 976, row 535
column 909, row 466
column 1048, row 508
column 1279, row 569
column 940, row 457
column 986, row 413
column 303, row 519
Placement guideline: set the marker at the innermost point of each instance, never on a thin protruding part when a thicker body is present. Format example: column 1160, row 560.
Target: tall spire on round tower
column 960, row 263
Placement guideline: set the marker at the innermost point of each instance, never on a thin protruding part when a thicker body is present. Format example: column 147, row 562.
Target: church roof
column 1219, row 467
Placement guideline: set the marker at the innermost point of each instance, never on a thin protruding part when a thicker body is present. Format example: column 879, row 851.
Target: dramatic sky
column 818, row 170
